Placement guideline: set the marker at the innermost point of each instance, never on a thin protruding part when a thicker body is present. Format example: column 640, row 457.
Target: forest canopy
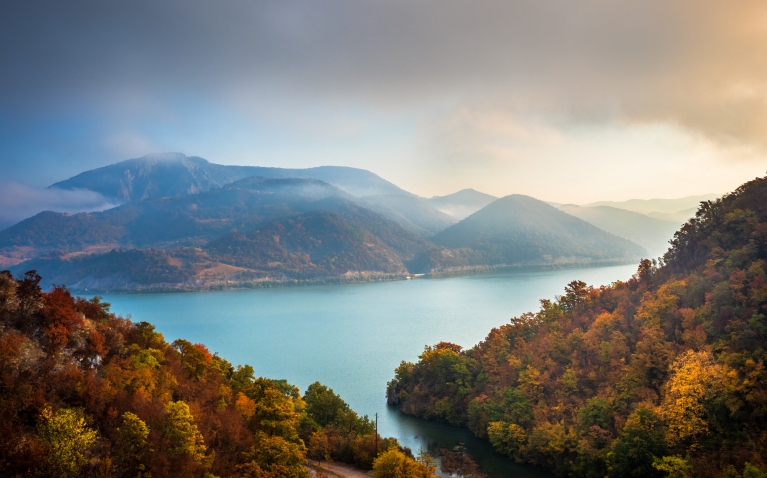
column 87, row 393
column 660, row 375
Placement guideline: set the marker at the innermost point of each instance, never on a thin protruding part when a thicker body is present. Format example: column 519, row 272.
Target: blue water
column 352, row 337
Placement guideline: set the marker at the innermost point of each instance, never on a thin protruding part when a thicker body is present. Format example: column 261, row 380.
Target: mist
column 19, row 201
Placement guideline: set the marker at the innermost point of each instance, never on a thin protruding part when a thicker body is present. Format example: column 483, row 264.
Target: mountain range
column 677, row 210
column 187, row 223
column 649, row 232
column 523, row 231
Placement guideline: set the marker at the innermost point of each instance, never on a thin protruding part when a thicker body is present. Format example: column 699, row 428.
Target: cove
column 351, row 337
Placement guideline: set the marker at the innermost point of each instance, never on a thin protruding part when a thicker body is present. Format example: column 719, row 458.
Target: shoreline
column 273, row 284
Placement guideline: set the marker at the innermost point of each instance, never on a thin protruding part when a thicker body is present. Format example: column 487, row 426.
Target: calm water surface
column 352, row 337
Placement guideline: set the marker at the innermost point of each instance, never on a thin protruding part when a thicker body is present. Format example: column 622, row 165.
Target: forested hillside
column 519, row 230
column 197, row 240
column 661, row 375
column 86, row 393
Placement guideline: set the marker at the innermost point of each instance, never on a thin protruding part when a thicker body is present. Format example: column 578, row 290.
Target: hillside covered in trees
column 661, row 375
column 86, row 393
column 257, row 231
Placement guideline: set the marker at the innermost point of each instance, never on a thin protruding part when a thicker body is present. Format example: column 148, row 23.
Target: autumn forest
column 660, row 375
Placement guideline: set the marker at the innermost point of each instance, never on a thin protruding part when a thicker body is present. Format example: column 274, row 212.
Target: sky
column 569, row 101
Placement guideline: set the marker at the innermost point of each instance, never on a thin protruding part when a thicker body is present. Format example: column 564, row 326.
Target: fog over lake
column 352, row 337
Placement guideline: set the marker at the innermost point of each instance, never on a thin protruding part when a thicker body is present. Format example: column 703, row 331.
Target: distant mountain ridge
column 250, row 230
column 521, row 230
column 648, row 206
column 175, row 174
column 651, row 233
column 461, row 204
column 187, row 223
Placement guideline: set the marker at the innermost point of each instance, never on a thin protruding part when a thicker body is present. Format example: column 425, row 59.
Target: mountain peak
column 519, row 229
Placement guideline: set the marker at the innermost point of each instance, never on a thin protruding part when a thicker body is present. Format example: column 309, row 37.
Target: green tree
column 130, row 444
column 640, row 441
column 67, row 437
column 323, row 405
column 182, row 433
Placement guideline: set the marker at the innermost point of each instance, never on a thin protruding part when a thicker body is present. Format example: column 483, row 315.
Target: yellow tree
column 395, row 464
column 68, row 438
column 696, row 377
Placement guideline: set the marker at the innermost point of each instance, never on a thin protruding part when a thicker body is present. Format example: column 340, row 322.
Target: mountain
column 316, row 243
column 175, row 174
column 679, row 217
column 188, row 220
column 658, row 375
column 650, row 233
column 225, row 234
column 462, row 203
column 411, row 212
column 521, row 230
column 647, row 206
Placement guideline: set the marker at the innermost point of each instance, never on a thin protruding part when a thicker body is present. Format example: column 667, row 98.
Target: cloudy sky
column 565, row 100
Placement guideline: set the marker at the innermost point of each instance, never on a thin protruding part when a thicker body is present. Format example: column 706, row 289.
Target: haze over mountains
column 679, row 210
column 175, row 174
column 522, row 230
column 651, row 233
column 461, row 204
column 187, row 223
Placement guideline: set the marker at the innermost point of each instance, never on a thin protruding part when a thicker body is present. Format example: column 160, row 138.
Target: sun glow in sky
column 565, row 101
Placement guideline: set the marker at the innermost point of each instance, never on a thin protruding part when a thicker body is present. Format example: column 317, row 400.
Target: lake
column 351, row 337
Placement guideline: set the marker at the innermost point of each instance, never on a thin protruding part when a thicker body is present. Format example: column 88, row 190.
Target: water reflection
column 421, row 434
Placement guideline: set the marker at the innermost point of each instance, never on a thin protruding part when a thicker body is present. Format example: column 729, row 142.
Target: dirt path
column 333, row 469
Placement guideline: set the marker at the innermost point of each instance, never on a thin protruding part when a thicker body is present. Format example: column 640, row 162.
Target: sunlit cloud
column 410, row 90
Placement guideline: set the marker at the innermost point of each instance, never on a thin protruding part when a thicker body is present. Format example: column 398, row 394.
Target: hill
column 660, row 375
column 187, row 220
column 315, row 244
column 175, row 174
column 461, row 204
column 680, row 217
column 651, row 233
column 87, row 393
column 411, row 212
column 181, row 240
column 521, row 230
column 659, row 205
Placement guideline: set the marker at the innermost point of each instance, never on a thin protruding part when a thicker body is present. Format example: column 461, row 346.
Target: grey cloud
column 18, row 201
column 701, row 64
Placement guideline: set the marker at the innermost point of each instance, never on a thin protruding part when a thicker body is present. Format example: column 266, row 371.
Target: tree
column 323, row 405
column 395, row 464
column 640, row 441
column 131, row 444
column 182, row 433
column 275, row 457
column 68, row 437
column 696, row 378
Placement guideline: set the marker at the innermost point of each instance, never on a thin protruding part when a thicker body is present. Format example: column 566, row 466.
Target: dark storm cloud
column 702, row 64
